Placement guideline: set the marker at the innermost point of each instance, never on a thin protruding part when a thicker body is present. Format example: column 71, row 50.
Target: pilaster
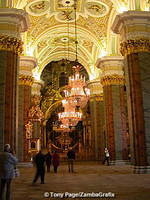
column 27, row 63
column 113, row 82
column 134, row 30
column 97, row 118
column 12, row 23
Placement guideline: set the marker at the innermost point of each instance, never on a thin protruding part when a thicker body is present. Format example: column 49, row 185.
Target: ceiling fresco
column 51, row 36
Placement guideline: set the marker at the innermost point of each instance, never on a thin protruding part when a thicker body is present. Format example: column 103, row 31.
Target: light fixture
column 69, row 117
column 79, row 93
column 76, row 96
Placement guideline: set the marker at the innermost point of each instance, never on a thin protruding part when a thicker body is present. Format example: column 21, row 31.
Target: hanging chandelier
column 69, row 117
column 77, row 94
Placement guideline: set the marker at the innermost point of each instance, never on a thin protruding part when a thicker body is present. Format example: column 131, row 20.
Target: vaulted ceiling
column 51, row 35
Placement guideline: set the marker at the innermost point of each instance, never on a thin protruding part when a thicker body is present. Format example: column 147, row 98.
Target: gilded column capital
column 134, row 30
column 94, row 97
column 132, row 25
column 112, row 70
column 25, row 80
column 135, row 46
column 10, row 44
column 13, row 21
column 95, row 87
column 114, row 79
column 26, row 64
column 36, row 87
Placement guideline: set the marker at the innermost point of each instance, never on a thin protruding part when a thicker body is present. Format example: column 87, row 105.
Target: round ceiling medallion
column 96, row 8
column 67, row 3
column 65, row 39
column 38, row 7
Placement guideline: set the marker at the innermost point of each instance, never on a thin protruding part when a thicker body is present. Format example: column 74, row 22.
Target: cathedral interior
column 45, row 45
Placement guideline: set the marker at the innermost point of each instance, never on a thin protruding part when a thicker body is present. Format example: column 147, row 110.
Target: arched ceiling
column 47, row 38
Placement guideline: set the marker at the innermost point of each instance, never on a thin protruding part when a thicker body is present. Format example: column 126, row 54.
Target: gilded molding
column 114, row 79
column 96, row 97
column 25, row 80
column 8, row 43
column 135, row 46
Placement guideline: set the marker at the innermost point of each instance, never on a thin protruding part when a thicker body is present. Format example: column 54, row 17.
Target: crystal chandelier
column 77, row 95
column 69, row 117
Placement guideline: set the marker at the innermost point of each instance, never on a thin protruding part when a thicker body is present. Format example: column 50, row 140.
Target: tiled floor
column 89, row 177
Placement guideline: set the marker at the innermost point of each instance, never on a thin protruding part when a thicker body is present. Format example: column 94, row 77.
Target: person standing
column 48, row 158
column 40, row 167
column 106, row 156
column 71, row 158
column 56, row 161
column 7, row 164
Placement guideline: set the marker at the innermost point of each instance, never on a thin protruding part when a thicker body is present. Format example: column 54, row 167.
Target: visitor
column 7, row 164
column 129, row 157
column 106, row 156
column 56, row 161
column 39, row 161
column 48, row 159
column 71, row 158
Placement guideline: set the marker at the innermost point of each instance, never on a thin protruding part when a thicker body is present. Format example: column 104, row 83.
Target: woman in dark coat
column 56, row 161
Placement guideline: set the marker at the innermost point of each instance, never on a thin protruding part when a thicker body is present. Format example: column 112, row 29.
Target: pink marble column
column 133, row 27
column 112, row 80
column 12, row 23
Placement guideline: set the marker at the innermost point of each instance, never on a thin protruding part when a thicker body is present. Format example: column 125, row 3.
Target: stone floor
column 88, row 177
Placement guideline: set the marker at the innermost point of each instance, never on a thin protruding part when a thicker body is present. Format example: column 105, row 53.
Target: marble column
column 12, row 23
column 134, row 30
column 97, row 118
column 27, row 63
column 114, row 107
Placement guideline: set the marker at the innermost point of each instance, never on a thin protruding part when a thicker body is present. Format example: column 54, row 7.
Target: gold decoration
column 135, row 46
column 29, row 130
column 35, row 113
column 25, row 80
column 95, row 97
column 114, row 79
column 35, row 100
column 11, row 44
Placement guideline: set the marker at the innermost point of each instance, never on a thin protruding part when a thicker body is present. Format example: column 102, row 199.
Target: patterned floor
column 88, row 178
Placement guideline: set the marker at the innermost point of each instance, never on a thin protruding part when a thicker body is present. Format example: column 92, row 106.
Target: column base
column 119, row 162
column 141, row 170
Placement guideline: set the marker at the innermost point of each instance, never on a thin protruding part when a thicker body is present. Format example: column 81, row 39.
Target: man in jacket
column 40, row 167
column 71, row 158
